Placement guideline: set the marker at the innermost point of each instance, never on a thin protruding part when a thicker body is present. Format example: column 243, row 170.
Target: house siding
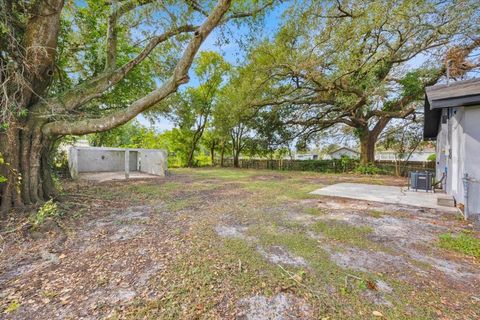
column 394, row 156
column 307, row 156
column 442, row 152
column 472, row 157
column 344, row 152
column 458, row 153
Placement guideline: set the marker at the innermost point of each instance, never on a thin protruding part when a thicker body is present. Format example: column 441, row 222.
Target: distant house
column 452, row 117
column 390, row 155
column 306, row 156
column 344, row 152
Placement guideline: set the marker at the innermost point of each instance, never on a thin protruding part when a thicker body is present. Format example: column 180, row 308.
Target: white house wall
column 472, row 157
column 342, row 152
column 457, row 158
column 420, row 156
column 306, row 156
column 442, row 150
column 392, row 156
column 458, row 152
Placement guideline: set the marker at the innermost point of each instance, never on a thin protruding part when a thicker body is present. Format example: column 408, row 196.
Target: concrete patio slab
column 385, row 194
column 114, row 175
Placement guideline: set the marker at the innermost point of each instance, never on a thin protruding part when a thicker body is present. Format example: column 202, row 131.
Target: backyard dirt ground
column 235, row 244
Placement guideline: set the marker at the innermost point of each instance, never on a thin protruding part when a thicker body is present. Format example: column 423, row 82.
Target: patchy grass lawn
column 239, row 244
column 464, row 243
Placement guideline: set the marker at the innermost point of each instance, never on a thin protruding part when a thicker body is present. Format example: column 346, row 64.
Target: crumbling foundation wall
column 95, row 159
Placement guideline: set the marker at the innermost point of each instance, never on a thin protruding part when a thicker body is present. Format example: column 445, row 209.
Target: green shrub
column 347, row 163
column 174, row 161
column 60, row 161
column 463, row 242
column 203, row 160
column 369, row 169
column 49, row 209
column 432, row 157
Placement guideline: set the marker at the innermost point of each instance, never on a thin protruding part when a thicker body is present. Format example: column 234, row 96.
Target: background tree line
column 348, row 67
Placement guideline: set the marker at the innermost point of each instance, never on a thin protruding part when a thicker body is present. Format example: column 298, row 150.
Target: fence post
column 127, row 164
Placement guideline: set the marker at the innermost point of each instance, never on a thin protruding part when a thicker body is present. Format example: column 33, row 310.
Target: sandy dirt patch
column 279, row 307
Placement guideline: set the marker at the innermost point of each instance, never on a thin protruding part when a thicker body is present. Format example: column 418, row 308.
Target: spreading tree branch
column 96, row 87
column 180, row 76
column 117, row 10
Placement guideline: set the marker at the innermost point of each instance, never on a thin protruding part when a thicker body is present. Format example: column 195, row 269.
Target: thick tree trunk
column 367, row 148
column 191, row 153
column 23, row 146
column 236, row 158
column 236, row 161
column 9, row 169
column 368, row 139
column 27, row 167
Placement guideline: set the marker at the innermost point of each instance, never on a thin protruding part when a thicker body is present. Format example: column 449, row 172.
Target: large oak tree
column 351, row 62
column 58, row 79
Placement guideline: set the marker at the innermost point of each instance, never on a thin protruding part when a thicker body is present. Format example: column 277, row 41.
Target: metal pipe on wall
column 465, row 195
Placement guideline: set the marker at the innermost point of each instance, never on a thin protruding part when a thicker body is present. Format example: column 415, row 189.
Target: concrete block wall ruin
column 97, row 159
